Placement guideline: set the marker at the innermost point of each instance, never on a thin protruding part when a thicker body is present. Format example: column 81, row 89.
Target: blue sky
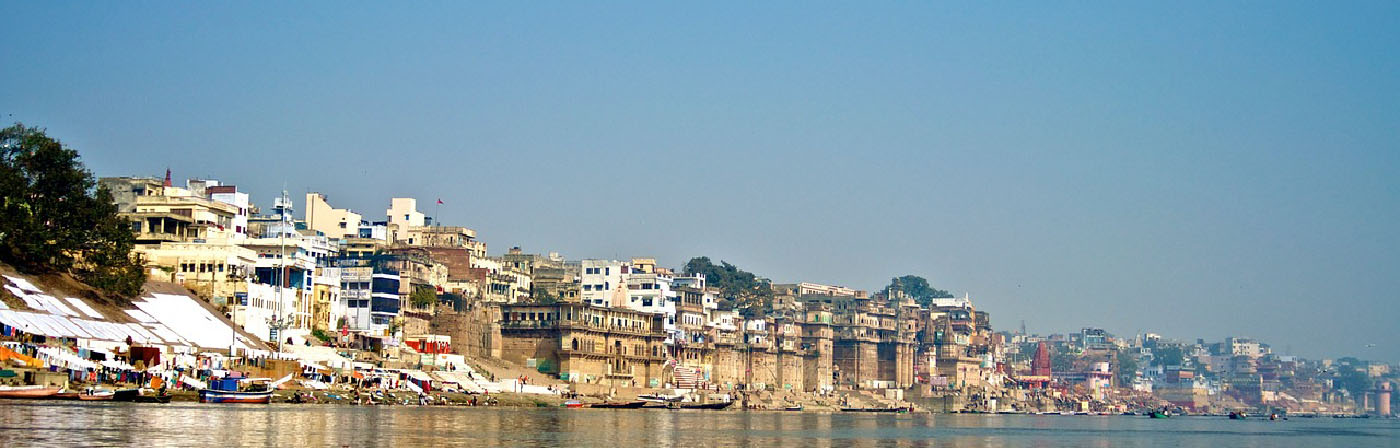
column 1196, row 169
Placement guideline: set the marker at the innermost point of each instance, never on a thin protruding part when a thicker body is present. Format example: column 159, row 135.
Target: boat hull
column 629, row 405
column 153, row 399
column 224, row 396
column 40, row 393
column 713, row 406
column 875, row 409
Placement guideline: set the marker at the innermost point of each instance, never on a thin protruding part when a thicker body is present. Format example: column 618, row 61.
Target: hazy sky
column 1193, row 169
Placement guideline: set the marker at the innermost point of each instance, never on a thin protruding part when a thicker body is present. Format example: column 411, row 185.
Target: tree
column 423, row 297
column 1062, row 362
column 542, row 296
column 918, row 288
column 1127, row 368
column 1354, row 379
column 737, row 288
column 56, row 219
column 1170, row 355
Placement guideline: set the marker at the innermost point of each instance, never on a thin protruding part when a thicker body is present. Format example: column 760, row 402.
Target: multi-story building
column 370, row 295
column 1236, row 346
column 550, row 275
column 599, row 282
column 159, row 212
column 326, row 306
column 337, row 223
column 500, row 282
column 587, row 344
column 189, row 235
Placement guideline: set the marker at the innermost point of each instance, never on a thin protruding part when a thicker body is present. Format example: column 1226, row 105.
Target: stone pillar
column 1383, row 399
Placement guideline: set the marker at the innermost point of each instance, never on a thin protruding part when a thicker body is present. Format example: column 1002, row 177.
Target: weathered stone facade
column 581, row 343
column 475, row 330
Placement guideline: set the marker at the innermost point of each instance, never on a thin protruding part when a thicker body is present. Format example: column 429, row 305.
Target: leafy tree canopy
column 55, row 217
column 918, row 288
column 423, row 297
column 737, row 288
column 1168, row 356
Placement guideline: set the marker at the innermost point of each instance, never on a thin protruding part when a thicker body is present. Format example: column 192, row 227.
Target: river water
column 66, row 424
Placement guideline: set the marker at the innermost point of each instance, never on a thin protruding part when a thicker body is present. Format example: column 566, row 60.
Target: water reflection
column 189, row 424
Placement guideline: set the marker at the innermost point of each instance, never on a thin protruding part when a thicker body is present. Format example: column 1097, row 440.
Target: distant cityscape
column 339, row 300
column 305, row 270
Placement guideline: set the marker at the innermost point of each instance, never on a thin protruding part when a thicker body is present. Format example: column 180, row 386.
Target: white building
column 599, row 281
column 403, row 215
column 227, row 194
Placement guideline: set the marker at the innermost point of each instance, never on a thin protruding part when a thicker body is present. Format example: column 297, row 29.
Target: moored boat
column 619, row 405
column 793, row 408
column 28, row 392
column 125, row 394
column 656, row 398
column 714, row 406
column 230, row 396
column 898, row 409
column 153, row 398
column 573, row 404
column 96, row 396
column 258, row 391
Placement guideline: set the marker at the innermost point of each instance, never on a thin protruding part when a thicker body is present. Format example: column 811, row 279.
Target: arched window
column 575, row 344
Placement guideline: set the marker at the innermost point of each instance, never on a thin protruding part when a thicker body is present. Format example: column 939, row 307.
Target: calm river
column 69, row 424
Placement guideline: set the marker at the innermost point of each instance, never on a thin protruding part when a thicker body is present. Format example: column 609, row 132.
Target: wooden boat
column 714, row 406
column 573, row 404
column 1238, row 416
column 654, row 398
column 898, row 409
column 257, row 391
column 1159, row 414
column 793, row 408
column 231, row 396
column 619, row 405
column 125, row 394
column 28, row 392
column 98, row 396
column 153, row 398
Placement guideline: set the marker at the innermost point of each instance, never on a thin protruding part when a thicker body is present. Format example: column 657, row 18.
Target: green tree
column 1167, row 356
column 737, row 288
column 1062, row 362
column 56, row 219
column 1354, row 379
column 422, row 297
column 542, row 296
column 918, row 288
column 1127, row 367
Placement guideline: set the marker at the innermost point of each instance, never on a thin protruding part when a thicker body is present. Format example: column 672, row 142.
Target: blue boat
column 227, row 391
